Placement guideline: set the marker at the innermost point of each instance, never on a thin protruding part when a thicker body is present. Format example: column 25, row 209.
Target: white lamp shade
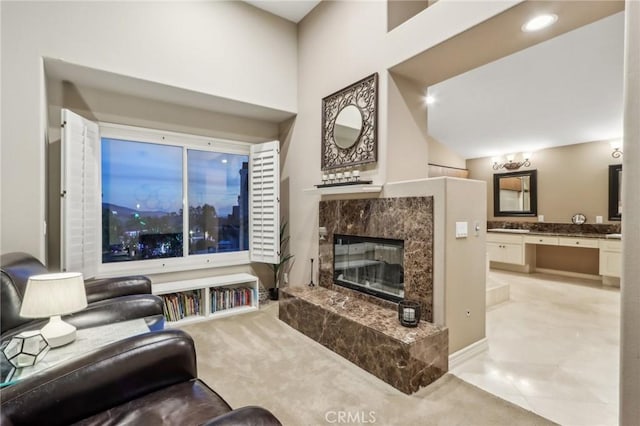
column 54, row 294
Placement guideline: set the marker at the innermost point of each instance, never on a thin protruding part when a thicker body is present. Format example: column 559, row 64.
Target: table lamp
column 52, row 295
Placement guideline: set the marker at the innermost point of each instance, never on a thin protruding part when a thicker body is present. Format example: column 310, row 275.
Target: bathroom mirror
column 615, row 192
column 349, row 125
column 515, row 194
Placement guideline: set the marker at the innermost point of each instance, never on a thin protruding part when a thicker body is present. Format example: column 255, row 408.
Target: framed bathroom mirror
column 515, row 194
column 615, row 192
column 349, row 125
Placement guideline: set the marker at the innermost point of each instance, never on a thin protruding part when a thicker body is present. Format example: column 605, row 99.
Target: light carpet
column 255, row 359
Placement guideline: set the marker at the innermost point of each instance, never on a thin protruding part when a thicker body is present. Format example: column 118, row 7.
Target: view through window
column 142, row 193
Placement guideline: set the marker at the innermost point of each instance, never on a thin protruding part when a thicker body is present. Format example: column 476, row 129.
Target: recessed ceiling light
column 224, row 161
column 429, row 100
column 539, row 22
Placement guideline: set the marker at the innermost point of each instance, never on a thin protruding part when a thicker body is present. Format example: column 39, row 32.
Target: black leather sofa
column 110, row 300
column 149, row 379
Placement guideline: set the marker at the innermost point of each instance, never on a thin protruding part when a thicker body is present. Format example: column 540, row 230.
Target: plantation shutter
column 264, row 202
column 80, row 194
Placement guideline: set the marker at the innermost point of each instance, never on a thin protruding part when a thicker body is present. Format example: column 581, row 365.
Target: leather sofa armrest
column 99, row 380
column 248, row 416
column 109, row 288
column 116, row 310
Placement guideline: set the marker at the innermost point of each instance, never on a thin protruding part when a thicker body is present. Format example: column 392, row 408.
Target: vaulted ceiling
column 564, row 91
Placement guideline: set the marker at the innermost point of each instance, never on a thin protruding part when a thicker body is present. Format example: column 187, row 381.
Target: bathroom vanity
column 591, row 255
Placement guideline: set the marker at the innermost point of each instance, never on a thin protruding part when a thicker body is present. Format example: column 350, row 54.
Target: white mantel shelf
column 346, row 189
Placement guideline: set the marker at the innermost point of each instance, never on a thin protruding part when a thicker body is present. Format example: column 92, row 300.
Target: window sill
column 161, row 266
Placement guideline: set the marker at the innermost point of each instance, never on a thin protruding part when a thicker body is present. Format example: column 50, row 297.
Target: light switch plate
column 598, row 219
column 462, row 229
column 540, row 218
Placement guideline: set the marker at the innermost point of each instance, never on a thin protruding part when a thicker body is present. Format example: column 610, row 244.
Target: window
column 141, row 201
column 168, row 201
column 218, row 202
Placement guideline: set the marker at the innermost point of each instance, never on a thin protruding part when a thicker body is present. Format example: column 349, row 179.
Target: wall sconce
column 510, row 164
column 616, row 145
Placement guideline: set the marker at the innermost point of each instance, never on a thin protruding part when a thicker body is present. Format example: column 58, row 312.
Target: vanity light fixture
column 510, row 164
column 539, row 22
column 616, row 145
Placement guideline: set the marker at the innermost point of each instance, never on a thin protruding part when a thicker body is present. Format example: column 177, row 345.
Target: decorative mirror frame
column 364, row 95
column 614, row 189
column 533, row 194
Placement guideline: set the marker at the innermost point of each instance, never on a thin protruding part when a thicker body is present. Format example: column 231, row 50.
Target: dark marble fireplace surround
column 407, row 218
column 363, row 328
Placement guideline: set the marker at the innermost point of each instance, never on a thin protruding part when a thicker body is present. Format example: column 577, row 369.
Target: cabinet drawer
column 541, row 239
column 578, row 242
column 611, row 245
column 495, row 237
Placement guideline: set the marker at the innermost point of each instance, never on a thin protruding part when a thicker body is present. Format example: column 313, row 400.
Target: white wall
column 339, row 43
column 630, row 285
column 227, row 49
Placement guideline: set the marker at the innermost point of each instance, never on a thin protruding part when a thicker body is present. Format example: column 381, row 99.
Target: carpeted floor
column 255, row 359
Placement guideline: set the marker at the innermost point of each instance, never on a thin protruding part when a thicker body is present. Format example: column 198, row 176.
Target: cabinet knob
column 577, row 242
column 540, row 240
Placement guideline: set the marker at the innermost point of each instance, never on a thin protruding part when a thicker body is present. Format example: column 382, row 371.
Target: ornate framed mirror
column 515, row 194
column 349, row 125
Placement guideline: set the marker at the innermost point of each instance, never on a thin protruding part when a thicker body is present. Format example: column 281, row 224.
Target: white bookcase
column 205, row 288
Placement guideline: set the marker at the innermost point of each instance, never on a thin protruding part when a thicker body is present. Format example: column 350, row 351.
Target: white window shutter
column 264, row 202
column 81, row 213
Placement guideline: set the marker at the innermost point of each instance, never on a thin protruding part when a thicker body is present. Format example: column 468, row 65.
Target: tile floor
column 553, row 349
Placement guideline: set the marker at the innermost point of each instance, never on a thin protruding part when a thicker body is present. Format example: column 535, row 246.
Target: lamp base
column 58, row 333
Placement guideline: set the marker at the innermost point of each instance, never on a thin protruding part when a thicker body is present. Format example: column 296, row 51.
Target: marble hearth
column 368, row 335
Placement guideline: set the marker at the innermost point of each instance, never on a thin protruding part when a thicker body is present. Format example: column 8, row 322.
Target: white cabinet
column 610, row 258
column 505, row 248
column 208, row 298
column 518, row 249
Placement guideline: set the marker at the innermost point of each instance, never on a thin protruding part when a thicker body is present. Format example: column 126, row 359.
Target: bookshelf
column 202, row 299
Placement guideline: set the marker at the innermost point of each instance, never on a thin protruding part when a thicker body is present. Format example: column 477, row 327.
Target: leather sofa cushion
column 187, row 403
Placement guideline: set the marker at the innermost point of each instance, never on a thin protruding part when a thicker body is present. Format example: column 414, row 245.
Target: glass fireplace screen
column 370, row 265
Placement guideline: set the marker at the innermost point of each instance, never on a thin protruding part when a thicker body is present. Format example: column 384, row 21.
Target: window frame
column 186, row 142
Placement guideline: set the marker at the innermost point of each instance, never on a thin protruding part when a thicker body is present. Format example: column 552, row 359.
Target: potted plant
column 278, row 268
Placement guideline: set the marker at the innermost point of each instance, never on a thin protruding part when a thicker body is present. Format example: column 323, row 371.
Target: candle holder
column 409, row 313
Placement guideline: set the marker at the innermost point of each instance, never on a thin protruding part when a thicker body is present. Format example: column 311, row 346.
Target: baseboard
column 511, row 267
column 468, row 352
column 611, row 281
column 569, row 274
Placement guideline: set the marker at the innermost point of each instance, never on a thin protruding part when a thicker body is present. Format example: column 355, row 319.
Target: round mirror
column 348, row 127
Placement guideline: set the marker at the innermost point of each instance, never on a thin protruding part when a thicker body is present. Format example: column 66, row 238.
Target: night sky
column 148, row 177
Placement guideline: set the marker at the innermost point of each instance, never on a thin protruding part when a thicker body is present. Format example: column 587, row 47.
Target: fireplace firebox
column 370, row 265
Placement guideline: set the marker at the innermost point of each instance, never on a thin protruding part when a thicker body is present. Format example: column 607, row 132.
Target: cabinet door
column 505, row 253
column 610, row 263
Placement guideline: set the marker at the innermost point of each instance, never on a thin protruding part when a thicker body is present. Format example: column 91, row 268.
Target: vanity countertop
column 554, row 234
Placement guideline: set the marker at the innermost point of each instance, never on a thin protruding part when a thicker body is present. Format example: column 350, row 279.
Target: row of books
column 226, row 298
column 180, row 305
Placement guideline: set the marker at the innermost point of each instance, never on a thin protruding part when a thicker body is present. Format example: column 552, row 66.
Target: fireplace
column 370, row 265
column 405, row 219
